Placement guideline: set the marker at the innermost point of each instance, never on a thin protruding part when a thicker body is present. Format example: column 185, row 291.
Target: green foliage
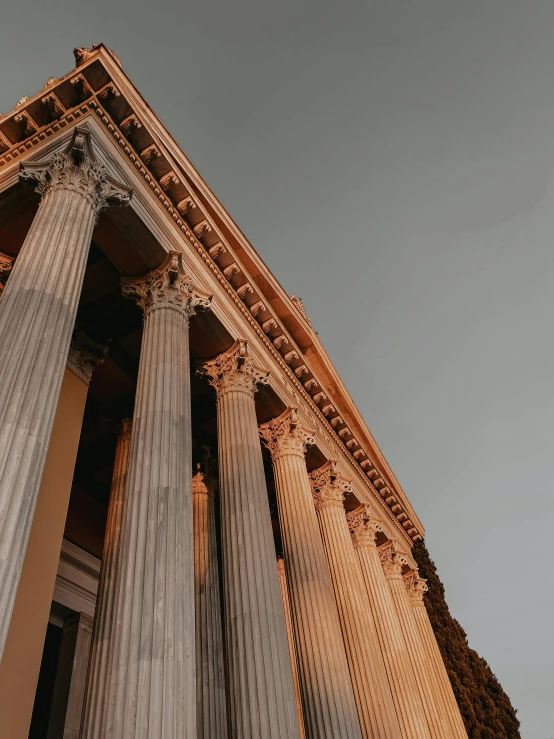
column 486, row 709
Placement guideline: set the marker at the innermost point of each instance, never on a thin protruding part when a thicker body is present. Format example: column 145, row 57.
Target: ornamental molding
column 234, row 370
column 6, row 264
column 167, row 287
column 99, row 57
column 285, row 436
column 84, row 356
column 76, row 169
column 416, row 587
column 328, row 487
column 392, row 559
column 363, row 526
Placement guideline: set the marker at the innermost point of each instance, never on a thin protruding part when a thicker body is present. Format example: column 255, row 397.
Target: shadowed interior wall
column 20, row 664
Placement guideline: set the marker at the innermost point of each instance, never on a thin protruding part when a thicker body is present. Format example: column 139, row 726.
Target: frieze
column 16, row 150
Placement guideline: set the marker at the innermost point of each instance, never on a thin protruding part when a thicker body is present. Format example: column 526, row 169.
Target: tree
column 486, row 709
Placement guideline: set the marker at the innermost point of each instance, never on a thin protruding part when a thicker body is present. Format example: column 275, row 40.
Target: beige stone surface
column 415, row 588
column 102, row 639
column 261, row 690
column 20, row 664
column 37, row 316
column 151, row 671
column 409, row 707
column 290, row 638
column 326, row 686
column 211, row 702
column 374, row 700
column 393, row 560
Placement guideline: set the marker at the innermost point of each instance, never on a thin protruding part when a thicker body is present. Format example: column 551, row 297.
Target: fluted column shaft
column 290, row 638
column 211, row 710
column 325, row 683
column 37, row 315
column 150, row 679
column 102, row 637
column 261, row 691
column 392, row 561
column 407, row 699
column 415, row 588
column 371, row 687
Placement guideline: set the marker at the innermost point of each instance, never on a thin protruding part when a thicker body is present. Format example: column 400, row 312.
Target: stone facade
column 263, row 590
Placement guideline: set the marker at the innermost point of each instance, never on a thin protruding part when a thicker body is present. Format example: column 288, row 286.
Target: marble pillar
column 326, row 687
column 102, row 639
column 409, row 707
column 416, row 587
column 290, row 637
column 150, row 681
column 261, row 690
column 393, row 561
column 374, row 700
column 37, row 314
column 211, row 707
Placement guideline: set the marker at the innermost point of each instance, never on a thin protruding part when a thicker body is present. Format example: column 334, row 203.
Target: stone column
column 325, row 684
column 37, row 315
column 393, row 560
column 151, row 672
column 371, row 686
column 211, row 710
column 290, row 637
column 71, row 676
column 415, row 589
column 409, row 708
column 261, row 690
column 102, row 639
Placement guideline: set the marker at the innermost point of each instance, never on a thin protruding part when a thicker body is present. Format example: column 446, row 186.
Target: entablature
column 98, row 87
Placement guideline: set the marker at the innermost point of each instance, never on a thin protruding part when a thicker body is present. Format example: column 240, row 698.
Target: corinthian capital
column 6, row 264
column 284, row 435
column 392, row 559
column 76, row 169
column 328, row 487
column 168, row 286
column 84, row 356
column 416, row 587
column 234, row 370
column 363, row 527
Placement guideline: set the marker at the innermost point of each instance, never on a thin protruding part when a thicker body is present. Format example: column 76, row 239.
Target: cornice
column 205, row 225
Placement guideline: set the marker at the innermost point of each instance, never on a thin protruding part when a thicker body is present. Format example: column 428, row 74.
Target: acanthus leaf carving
column 285, row 435
column 168, row 286
column 392, row 558
column 416, row 587
column 363, row 526
column 77, row 169
column 328, row 487
column 234, row 370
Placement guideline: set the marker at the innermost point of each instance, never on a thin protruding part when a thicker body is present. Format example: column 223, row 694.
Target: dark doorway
column 46, row 680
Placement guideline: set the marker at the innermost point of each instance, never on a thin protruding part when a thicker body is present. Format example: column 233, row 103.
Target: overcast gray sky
column 392, row 162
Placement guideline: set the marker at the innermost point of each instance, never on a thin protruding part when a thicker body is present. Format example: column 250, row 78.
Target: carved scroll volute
column 6, row 264
column 392, row 559
column 363, row 527
column 168, row 286
column 234, row 370
column 285, row 435
column 76, row 169
column 328, row 487
column 416, row 587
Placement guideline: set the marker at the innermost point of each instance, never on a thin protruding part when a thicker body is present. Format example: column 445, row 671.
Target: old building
column 199, row 536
